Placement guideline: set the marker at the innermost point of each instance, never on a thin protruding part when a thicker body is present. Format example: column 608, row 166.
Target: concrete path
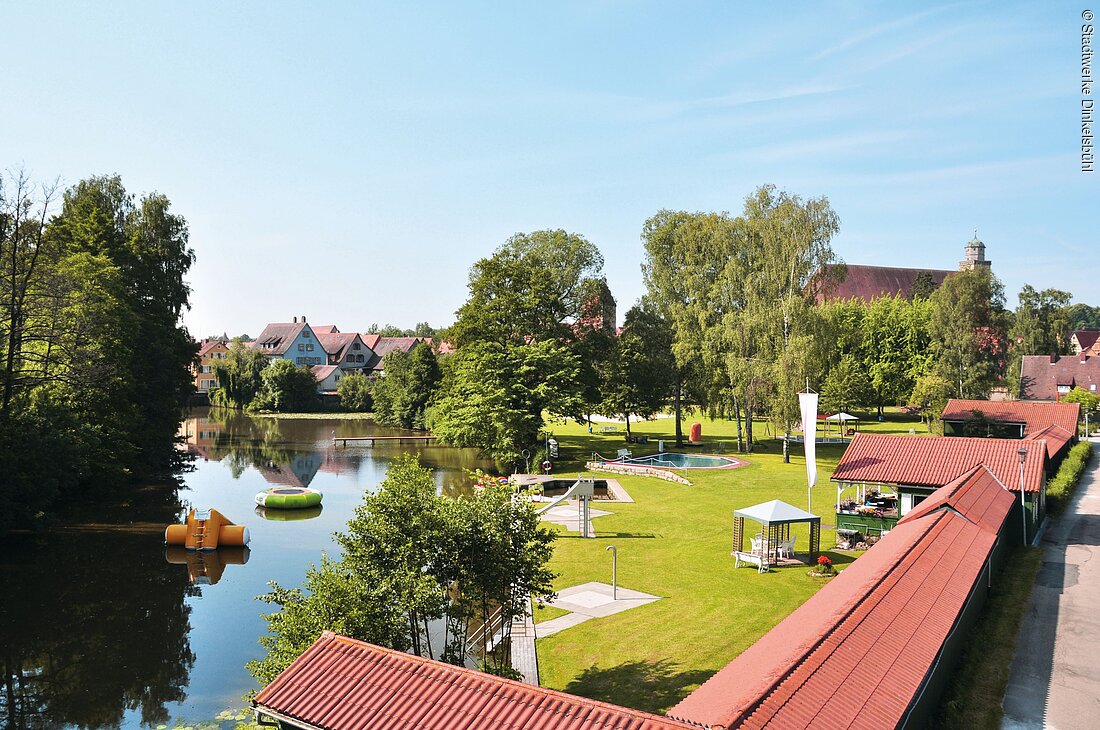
column 1055, row 675
column 591, row 600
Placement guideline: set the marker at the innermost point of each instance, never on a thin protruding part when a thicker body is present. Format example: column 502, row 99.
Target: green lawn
column 674, row 541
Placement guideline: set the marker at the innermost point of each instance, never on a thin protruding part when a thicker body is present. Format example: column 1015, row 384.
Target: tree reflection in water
column 92, row 624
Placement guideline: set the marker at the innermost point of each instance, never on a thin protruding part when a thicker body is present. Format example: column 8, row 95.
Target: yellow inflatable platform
column 206, row 529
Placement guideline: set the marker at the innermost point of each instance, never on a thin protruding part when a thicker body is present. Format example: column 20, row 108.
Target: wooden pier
column 343, row 441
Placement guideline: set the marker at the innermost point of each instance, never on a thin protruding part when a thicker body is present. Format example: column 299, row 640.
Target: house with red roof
column 875, row 646
column 1086, row 341
column 1051, row 377
column 382, row 346
column 880, row 478
column 295, row 341
column 1054, row 423
column 210, row 353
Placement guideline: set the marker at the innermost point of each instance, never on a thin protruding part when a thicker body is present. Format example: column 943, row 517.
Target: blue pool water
column 682, row 461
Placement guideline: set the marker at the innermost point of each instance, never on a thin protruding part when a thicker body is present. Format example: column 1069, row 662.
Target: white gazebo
column 775, row 518
column 842, row 421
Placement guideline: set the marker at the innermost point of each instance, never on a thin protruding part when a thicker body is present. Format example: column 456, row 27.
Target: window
column 359, row 358
column 1063, row 389
column 301, row 347
column 305, row 333
column 349, row 358
column 309, row 347
column 1093, row 387
column 355, row 346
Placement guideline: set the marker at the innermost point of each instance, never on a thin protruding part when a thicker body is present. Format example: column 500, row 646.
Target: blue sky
column 350, row 162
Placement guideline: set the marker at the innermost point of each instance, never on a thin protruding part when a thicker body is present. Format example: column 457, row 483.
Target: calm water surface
column 98, row 629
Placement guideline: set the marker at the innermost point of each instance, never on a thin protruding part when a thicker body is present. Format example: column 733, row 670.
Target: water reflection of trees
column 92, row 624
column 280, row 449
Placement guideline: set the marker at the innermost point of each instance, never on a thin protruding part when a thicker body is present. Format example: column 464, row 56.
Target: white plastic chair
column 786, row 549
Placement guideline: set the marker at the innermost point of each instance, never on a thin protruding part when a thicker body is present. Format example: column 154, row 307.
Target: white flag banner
column 808, row 402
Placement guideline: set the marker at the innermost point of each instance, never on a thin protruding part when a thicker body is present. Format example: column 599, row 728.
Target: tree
column 355, row 392
column 594, row 340
column 1083, row 317
column 286, row 388
column 91, row 344
column 514, row 335
column 1089, row 401
column 1040, row 326
column 967, row 327
column 930, row 396
column 895, row 344
column 238, row 376
column 410, row 380
column 846, row 387
column 641, row 372
column 412, row 558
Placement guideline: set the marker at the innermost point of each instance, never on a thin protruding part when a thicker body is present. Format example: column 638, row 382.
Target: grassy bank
column 973, row 697
column 319, row 416
column 674, row 541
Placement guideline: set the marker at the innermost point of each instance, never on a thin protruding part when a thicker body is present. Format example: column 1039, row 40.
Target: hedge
column 1060, row 488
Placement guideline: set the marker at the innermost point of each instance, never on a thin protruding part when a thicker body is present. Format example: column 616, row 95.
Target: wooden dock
column 343, row 441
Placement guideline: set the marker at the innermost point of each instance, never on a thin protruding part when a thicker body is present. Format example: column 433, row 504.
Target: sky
column 350, row 161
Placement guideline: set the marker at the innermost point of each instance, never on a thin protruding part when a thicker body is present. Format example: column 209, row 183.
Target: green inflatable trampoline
column 288, row 498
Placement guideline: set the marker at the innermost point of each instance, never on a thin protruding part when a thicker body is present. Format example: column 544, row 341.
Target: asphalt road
column 1055, row 676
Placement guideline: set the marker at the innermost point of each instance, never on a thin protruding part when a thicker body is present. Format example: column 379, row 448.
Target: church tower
column 975, row 255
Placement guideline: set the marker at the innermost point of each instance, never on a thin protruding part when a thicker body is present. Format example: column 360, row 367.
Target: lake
column 98, row 629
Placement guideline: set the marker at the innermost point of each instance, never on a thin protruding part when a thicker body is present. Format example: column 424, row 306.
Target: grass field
column 674, row 541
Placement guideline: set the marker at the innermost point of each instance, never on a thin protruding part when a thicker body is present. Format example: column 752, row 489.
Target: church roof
column 872, row 282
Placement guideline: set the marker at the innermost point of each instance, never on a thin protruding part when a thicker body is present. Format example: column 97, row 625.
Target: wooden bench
column 751, row 559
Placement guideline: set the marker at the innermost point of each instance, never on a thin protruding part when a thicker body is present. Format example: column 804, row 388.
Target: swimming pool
column 666, row 460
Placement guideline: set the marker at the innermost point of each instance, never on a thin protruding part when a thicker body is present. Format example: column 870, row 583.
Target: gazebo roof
column 775, row 511
column 842, row 416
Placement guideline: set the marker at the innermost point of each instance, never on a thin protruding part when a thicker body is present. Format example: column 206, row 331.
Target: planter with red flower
column 824, row 568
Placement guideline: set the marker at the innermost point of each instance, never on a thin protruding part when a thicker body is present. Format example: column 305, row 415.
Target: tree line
column 736, row 320
column 94, row 363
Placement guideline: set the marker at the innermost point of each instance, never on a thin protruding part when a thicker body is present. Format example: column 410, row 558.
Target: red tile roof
column 977, row 495
column 1056, row 423
column 385, row 345
column 1040, row 375
column 871, row 282
column 210, row 345
column 1086, row 338
column 277, row 337
column 1035, row 416
column 933, row 461
column 340, row 683
column 858, row 653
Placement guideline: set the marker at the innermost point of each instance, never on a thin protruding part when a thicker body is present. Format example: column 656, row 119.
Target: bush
column 1060, row 488
column 286, row 388
column 354, row 393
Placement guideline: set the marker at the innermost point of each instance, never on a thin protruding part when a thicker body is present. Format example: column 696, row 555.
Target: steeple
column 975, row 255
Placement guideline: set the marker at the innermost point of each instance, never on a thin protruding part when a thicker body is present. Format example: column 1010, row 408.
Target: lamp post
column 614, row 571
column 1023, row 506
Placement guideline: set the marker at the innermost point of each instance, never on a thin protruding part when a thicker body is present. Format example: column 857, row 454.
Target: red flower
column 824, row 560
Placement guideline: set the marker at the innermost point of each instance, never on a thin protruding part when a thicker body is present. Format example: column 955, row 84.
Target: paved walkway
column 1055, row 675
column 591, row 600
column 524, row 658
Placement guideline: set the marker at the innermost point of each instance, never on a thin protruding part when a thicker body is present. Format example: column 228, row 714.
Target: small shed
column 775, row 518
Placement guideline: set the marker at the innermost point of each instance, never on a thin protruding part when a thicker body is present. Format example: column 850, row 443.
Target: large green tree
column 640, row 373
column 414, row 560
column 967, row 328
column 1040, row 326
column 401, row 395
column 286, row 388
column 739, row 293
column 515, row 357
column 238, row 376
column 91, row 346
